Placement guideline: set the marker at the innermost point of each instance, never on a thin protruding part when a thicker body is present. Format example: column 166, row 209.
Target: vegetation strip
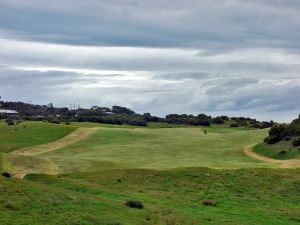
column 288, row 164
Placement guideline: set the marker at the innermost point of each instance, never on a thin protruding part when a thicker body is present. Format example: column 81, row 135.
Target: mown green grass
column 273, row 150
column 159, row 149
column 171, row 197
column 247, row 197
column 30, row 133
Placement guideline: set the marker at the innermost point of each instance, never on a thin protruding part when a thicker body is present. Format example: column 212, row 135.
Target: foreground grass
column 247, row 196
column 159, row 149
column 29, row 134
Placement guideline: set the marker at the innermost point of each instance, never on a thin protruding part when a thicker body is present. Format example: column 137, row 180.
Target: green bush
column 9, row 122
column 134, row 204
column 114, row 223
column 296, row 141
column 5, row 174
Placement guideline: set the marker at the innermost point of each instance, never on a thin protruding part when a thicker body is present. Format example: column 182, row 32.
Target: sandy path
column 77, row 135
column 19, row 176
column 288, row 164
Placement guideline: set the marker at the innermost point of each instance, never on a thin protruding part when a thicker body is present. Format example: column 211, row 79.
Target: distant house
column 8, row 112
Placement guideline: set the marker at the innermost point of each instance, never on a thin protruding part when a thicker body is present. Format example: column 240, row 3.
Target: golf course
column 84, row 173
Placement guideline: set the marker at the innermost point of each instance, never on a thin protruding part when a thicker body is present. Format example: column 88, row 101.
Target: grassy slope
column 28, row 134
column 172, row 197
column 248, row 196
column 273, row 150
column 160, row 149
column 34, row 133
column 128, row 147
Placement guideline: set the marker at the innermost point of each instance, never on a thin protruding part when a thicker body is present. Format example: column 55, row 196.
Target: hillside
column 174, row 197
column 283, row 141
column 125, row 147
column 99, row 170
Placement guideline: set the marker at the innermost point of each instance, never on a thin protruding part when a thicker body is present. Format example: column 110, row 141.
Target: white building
column 8, row 112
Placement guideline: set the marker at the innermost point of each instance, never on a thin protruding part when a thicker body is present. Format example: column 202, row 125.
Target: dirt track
column 19, row 176
column 288, row 164
column 77, row 135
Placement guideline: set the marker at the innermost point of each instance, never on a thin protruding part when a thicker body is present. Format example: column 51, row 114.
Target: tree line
column 121, row 115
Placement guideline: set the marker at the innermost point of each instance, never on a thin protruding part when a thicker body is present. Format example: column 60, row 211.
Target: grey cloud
column 246, row 95
column 235, row 57
column 184, row 75
column 205, row 24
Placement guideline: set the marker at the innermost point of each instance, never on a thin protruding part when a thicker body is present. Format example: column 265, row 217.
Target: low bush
column 271, row 139
column 134, row 204
column 11, row 206
column 114, row 223
column 296, row 142
column 9, row 122
column 283, row 152
column 209, row 202
column 278, row 133
column 5, row 174
column 53, row 120
column 288, row 138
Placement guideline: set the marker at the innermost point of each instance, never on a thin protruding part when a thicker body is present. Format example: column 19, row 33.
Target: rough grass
column 29, row 134
column 247, row 196
column 275, row 150
column 159, row 149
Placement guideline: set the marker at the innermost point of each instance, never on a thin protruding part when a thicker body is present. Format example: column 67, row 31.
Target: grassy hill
column 173, row 197
column 29, row 134
column 283, row 141
column 127, row 147
column 159, row 166
column 159, row 149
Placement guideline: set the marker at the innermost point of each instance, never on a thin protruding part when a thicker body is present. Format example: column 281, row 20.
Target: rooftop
column 8, row 111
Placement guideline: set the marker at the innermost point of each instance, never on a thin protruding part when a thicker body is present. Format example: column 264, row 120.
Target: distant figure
column 204, row 131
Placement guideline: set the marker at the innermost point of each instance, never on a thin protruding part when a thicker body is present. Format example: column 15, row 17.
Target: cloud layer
column 221, row 57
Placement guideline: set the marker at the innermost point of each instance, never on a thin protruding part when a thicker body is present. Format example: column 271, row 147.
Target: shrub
column 209, row 202
column 272, row 139
column 134, row 204
column 278, row 133
column 288, row 138
column 217, row 120
column 114, row 223
column 53, row 120
column 234, row 125
column 5, row 174
column 11, row 206
column 9, row 122
column 296, row 141
column 283, row 152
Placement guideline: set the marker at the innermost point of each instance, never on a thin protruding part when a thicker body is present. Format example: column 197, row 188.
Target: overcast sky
column 234, row 57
